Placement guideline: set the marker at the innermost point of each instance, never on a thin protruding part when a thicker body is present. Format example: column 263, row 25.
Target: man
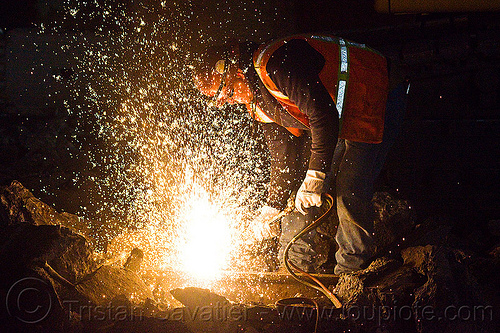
column 322, row 101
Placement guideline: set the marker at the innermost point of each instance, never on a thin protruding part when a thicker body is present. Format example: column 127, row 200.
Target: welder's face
column 240, row 92
column 207, row 83
column 234, row 89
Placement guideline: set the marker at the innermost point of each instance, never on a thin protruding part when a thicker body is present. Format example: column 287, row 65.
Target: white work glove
column 262, row 226
column 309, row 193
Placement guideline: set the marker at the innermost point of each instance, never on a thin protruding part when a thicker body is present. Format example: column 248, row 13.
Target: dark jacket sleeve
column 295, row 68
column 288, row 164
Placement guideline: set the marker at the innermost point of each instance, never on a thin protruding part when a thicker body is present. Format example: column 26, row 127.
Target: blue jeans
column 355, row 167
column 311, row 250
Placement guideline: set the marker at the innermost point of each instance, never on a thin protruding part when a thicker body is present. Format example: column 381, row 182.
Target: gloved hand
column 309, row 193
column 262, row 226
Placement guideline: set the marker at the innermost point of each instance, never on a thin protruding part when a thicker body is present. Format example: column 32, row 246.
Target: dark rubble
column 428, row 282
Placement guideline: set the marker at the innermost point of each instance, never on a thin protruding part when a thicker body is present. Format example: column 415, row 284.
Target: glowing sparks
column 207, row 240
column 181, row 176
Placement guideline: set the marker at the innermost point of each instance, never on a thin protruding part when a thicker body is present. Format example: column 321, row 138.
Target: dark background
column 447, row 161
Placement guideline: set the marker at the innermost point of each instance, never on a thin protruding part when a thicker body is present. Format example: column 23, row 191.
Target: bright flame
column 207, row 240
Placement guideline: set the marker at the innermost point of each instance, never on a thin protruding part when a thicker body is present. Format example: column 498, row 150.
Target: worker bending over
column 328, row 119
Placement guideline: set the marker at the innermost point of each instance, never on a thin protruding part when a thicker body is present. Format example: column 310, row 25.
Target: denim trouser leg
column 354, row 189
column 311, row 250
column 357, row 165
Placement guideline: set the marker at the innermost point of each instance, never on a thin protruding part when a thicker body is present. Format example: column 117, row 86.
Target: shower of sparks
column 208, row 240
column 177, row 179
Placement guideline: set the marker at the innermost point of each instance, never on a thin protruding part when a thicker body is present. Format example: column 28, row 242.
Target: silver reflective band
column 344, row 66
column 340, row 96
column 324, row 38
column 343, row 56
column 261, row 55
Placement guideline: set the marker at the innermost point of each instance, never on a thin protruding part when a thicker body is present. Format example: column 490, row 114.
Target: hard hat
column 215, row 72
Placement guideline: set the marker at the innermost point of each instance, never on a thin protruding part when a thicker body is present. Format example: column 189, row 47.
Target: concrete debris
column 58, row 262
column 393, row 219
column 18, row 204
column 197, row 297
column 134, row 261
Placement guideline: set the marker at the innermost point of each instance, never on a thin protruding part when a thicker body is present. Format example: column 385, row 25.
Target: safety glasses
column 225, row 91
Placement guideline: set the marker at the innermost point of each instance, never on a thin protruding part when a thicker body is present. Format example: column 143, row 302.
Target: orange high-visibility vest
column 355, row 77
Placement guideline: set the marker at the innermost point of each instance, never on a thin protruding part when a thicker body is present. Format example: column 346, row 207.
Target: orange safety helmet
column 215, row 71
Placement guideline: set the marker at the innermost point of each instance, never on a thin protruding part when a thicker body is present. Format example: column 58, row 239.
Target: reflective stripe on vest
column 343, row 77
column 359, row 100
column 259, row 114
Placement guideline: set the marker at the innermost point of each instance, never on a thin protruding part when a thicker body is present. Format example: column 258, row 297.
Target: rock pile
column 424, row 279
